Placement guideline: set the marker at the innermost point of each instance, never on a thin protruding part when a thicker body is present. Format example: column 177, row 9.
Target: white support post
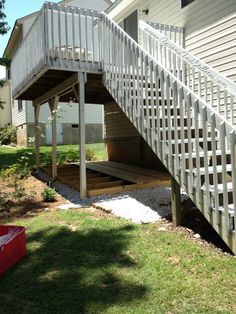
column 80, row 95
column 53, row 103
column 176, row 202
column 37, row 134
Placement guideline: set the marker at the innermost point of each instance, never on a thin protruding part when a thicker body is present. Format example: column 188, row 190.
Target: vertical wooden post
column 83, row 183
column 37, row 135
column 176, row 202
column 53, row 103
column 80, row 95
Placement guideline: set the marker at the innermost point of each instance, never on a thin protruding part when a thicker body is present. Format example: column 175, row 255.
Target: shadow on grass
column 71, row 272
column 11, row 156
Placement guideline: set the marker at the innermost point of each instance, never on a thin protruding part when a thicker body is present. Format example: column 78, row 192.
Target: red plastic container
column 12, row 246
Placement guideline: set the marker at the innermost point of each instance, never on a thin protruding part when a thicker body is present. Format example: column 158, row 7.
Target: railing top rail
column 218, row 118
column 153, row 24
column 189, row 58
column 57, row 7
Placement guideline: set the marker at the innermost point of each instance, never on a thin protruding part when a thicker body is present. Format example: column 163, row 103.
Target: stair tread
column 186, row 140
column 230, row 209
column 201, row 154
column 202, row 170
column 220, row 187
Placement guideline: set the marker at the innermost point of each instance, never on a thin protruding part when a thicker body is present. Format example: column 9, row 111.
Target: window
column 8, row 74
column 185, row 2
column 20, row 105
column 74, row 126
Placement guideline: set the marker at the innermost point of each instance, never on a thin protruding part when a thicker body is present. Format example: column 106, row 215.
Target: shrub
column 4, row 201
column 16, row 172
column 72, row 155
column 19, row 193
column 49, row 194
column 90, row 154
column 8, row 135
column 46, row 158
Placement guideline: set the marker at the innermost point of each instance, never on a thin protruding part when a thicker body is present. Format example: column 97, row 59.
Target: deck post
column 53, row 103
column 80, row 95
column 83, row 183
column 37, row 134
column 176, row 202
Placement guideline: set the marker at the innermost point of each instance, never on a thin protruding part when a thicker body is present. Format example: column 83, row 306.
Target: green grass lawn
column 9, row 156
column 81, row 261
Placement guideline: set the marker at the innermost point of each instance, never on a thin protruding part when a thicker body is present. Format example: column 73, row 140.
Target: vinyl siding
column 27, row 25
column 5, row 114
column 18, row 117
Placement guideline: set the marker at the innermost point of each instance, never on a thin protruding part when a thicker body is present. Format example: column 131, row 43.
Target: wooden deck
column 110, row 177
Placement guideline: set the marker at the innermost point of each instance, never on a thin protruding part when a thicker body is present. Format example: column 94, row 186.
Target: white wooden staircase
column 184, row 110
column 186, row 119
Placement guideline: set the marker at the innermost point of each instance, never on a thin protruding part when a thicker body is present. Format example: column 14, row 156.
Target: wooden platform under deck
column 110, row 177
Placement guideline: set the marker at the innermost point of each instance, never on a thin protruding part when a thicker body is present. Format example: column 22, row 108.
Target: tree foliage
column 4, row 28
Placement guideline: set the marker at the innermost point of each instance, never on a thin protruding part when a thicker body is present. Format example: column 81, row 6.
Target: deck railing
column 62, row 37
column 72, row 37
column 30, row 56
column 216, row 90
column 175, row 122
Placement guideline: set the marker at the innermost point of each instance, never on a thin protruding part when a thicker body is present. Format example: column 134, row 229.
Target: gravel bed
column 140, row 206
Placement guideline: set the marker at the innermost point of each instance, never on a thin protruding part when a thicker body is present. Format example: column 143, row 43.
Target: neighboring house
column 67, row 123
column 5, row 113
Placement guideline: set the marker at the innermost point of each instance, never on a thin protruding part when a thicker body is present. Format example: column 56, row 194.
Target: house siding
column 5, row 113
column 27, row 25
column 18, row 117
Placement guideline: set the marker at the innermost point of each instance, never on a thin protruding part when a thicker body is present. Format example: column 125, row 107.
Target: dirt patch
column 32, row 201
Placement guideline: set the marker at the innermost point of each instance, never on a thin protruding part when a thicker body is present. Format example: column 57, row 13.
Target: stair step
column 193, row 140
column 230, row 209
column 220, row 188
column 201, row 154
column 210, row 169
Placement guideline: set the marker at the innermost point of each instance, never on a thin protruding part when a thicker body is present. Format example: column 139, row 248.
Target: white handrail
column 215, row 89
column 189, row 58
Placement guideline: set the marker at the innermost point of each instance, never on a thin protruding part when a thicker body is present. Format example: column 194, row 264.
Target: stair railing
column 216, row 90
column 175, row 123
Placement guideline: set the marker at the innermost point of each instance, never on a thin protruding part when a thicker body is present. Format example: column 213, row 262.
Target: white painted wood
column 83, row 184
column 53, row 104
column 37, row 135
column 80, row 97
column 5, row 112
column 207, row 77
